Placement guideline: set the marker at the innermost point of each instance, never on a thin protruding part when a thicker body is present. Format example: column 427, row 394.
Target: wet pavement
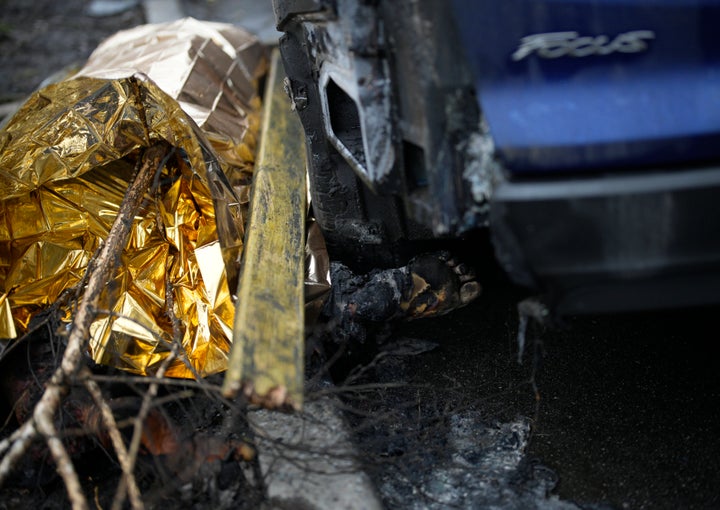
column 621, row 410
column 631, row 412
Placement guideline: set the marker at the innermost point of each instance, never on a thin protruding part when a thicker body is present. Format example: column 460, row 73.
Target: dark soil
column 41, row 37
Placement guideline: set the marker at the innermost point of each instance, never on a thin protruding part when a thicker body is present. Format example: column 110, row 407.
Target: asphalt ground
column 624, row 408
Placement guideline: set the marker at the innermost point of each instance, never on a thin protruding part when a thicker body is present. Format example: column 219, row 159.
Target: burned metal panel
column 352, row 72
column 289, row 8
column 438, row 117
column 357, row 222
column 397, row 103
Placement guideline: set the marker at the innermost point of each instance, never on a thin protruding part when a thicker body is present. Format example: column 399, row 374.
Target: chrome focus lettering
column 571, row 44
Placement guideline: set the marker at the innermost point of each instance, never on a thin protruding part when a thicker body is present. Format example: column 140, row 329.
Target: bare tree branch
column 16, row 447
column 117, row 441
column 138, row 427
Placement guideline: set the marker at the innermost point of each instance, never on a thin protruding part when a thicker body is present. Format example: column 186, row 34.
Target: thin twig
column 139, row 380
column 117, row 441
column 139, row 424
column 16, row 447
column 46, row 426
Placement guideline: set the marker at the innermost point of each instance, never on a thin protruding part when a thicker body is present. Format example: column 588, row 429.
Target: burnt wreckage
column 586, row 153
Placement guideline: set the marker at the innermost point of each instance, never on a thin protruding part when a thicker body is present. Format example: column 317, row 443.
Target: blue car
column 582, row 136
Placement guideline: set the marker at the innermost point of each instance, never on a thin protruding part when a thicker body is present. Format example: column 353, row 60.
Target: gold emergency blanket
column 67, row 157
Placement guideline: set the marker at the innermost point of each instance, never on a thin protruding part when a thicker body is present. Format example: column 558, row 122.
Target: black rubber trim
column 285, row 9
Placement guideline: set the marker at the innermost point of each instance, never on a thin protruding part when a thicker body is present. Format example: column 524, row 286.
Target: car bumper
column 611, row 243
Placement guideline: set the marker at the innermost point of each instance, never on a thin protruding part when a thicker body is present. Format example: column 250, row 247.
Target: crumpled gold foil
column 67, row 157
column 317, row 272
column 211, row 69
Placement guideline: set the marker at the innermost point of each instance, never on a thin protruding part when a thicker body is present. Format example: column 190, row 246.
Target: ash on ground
column 434, row 447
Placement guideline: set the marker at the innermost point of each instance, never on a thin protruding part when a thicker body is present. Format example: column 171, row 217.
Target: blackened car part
column 357, row 223
column 589, row 150
column 391, row 121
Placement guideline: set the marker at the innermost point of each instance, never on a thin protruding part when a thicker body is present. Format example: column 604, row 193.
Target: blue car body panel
column 652, row 98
